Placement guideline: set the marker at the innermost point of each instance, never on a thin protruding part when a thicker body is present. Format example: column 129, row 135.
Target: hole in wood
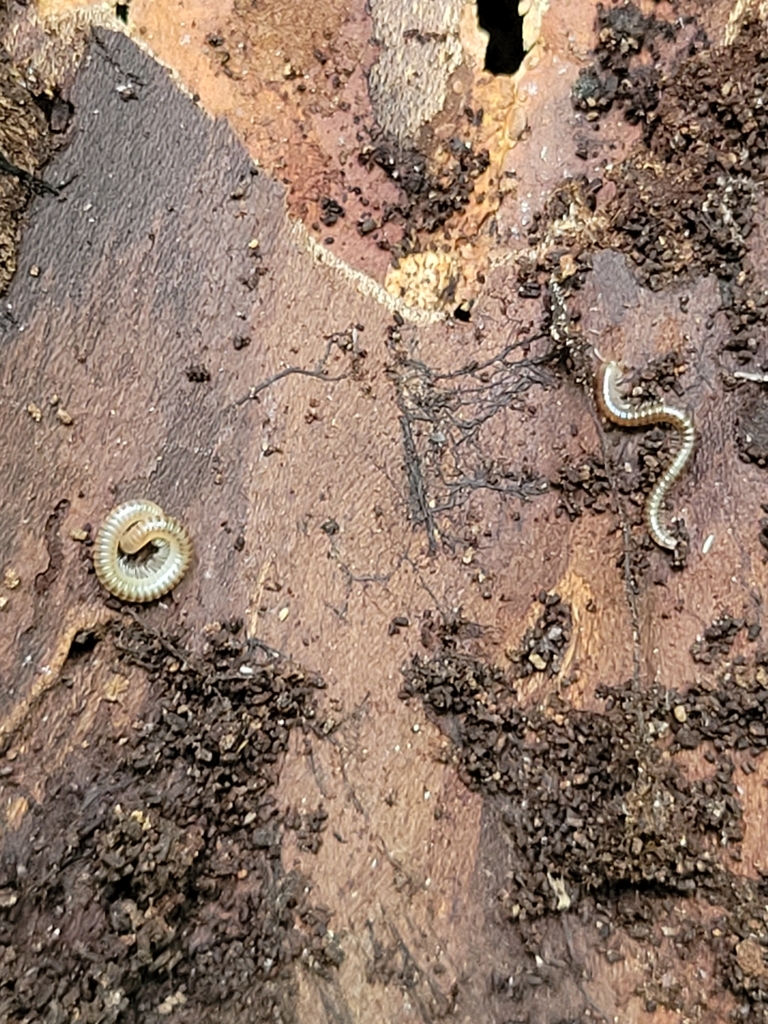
column 504, row 24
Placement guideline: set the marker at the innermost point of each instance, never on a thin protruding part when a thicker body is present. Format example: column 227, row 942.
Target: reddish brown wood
column 168, row 250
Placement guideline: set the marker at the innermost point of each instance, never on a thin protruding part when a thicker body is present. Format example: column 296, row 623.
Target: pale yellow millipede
column 615, row 408
column 140, row 553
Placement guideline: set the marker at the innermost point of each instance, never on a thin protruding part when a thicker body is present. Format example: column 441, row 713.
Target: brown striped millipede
column 140, row 553
column 616, row 409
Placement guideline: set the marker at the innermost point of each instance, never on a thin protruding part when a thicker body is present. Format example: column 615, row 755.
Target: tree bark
column 358, row 765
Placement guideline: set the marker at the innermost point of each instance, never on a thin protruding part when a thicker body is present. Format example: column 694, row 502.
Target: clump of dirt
column 148, row 880
column 717, row 640
column 330, row 211
column 543, row 645
column 432, row 193
column 622, row 32
column 582, row 486
column 684, row 199
column 308, row 826
column 197, row 373
column 751, row 430
column 26, row 143
column 587, row 798
column 599, row 813
column 653, row 381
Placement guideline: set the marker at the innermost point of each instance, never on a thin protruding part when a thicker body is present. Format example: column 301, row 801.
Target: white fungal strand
column 615, row 408
column 140, row 553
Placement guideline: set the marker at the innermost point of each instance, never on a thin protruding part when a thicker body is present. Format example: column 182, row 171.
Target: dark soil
column 717, row 640
column 542, row 646
column 26, row 143
column 582, row 486
column 431, row 194
column 149, row 878
column 623, row 32
column 751, row 429
column 684, row 200
column 686, row 197
column 598, row 811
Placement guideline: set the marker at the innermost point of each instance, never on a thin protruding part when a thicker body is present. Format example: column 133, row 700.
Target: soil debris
column 717, row 639
column 751, row 430
column 197, row 373
column 149, row 876
column 622, row 32
column 543, row 645
column 583, row 485
column 600, row 816
column 309, row 826
column 432, row 193
column 685, row 198
column 330, row 211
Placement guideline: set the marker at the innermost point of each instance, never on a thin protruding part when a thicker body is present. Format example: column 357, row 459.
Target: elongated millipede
column 140, row 553
column 615, row 408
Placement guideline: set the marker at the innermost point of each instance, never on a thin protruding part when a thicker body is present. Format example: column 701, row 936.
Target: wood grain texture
column 168, row 249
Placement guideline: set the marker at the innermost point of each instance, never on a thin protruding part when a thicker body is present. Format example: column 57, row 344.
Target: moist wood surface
column 412, row 490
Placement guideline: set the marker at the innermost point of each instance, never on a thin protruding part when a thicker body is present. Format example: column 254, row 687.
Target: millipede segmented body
column 140, row 553
column 616, row 409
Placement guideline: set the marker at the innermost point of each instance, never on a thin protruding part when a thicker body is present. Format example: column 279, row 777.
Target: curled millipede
column 140, row 553
column 616, row 409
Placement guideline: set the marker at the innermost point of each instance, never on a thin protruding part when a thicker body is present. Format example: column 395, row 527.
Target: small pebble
column 11, row 579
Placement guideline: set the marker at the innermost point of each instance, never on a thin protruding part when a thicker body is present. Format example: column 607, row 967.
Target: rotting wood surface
column 163, row 285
